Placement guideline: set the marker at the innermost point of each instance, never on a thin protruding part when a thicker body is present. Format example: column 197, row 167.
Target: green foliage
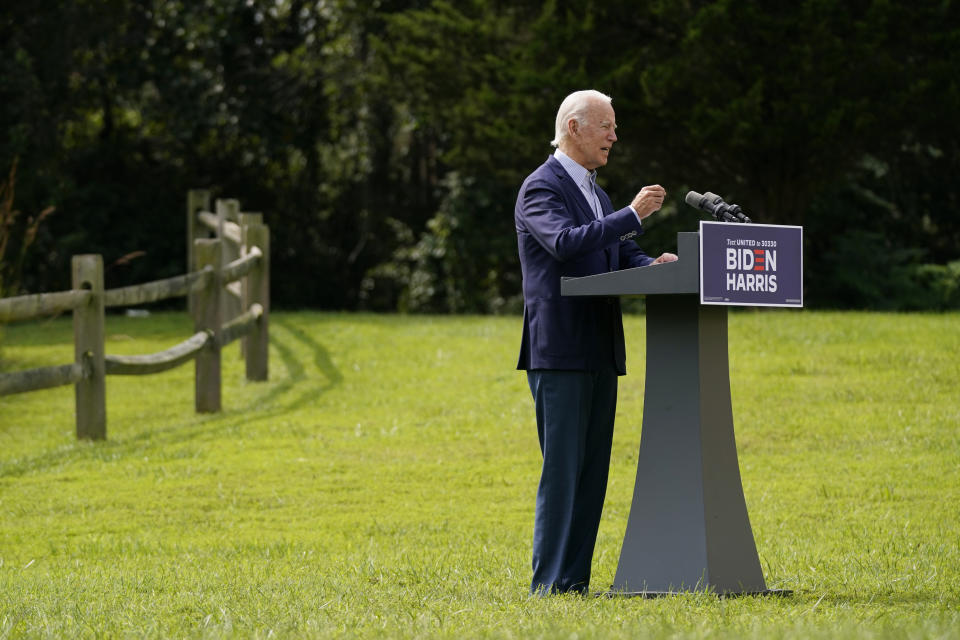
column 16, row 234
column 940, row 283
column 336, row 118
column 381, row 484
column 460, row 263
column 863, row 269
column 783, row 108
column 869, row 245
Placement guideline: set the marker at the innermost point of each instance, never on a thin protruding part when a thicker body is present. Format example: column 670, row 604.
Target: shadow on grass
column 196, row 426
column 296, row 371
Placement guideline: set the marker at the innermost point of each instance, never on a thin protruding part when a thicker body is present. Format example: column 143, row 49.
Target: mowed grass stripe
column 381, row 484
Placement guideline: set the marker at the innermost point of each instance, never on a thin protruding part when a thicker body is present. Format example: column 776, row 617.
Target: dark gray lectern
column 688, row 528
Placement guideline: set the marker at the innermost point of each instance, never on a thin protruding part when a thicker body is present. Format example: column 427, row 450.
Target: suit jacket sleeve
column 632, row 256
column 560, row 231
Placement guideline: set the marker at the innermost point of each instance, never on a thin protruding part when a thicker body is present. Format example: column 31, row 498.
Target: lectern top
column 680, row 276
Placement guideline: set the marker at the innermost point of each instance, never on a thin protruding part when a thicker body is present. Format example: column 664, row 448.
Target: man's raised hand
column 649, row 199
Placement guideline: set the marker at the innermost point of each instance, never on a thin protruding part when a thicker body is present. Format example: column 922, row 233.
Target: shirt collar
column 580, row 174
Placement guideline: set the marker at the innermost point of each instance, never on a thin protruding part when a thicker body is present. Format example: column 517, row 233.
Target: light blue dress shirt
column 586, row 180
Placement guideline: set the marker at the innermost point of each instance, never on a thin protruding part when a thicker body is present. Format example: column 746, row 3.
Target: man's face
column 594, row 139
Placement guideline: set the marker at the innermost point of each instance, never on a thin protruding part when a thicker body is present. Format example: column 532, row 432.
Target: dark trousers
column 575, row 414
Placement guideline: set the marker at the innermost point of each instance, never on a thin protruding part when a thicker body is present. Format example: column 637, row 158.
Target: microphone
column 731, row 209
column 695, row 199
column 725, row 212
column 712, row 204
column 738, row 212
column 715, row 206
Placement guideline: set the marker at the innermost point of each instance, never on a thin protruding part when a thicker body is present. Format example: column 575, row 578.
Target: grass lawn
column 381, row 484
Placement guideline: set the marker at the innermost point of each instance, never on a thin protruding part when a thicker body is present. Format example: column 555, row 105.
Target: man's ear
column 573, row 127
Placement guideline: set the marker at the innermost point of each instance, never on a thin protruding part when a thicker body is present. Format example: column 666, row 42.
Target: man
column 573, row 348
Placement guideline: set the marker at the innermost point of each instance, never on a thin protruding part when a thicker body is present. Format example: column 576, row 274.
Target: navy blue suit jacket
column 558, row 235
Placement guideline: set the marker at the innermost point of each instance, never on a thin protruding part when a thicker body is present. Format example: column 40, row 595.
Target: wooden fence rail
column 157, row 362
column 203, row 286
column 41, row 304
column 41, row 378
column 175, row 287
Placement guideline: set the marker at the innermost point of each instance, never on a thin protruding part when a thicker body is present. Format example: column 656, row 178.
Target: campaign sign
column 757, row 265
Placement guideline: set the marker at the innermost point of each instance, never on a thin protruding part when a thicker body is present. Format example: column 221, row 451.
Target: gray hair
column 574, row 107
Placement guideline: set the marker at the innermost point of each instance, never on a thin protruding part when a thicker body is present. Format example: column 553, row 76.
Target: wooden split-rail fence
column 227, row 286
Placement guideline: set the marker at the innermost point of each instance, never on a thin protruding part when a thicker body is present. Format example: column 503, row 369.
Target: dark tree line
column 385, row 141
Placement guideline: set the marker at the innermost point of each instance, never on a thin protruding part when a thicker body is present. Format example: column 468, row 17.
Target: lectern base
column 781, row 593
column 688, row 529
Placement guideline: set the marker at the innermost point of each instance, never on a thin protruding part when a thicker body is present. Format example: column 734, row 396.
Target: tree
column 385, row 141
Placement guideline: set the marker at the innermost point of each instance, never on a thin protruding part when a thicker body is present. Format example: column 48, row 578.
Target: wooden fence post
column 206, row 317
column 88, row 331
column 228, row 211
column 244, row 220
column 258, row 292
column 197, row 200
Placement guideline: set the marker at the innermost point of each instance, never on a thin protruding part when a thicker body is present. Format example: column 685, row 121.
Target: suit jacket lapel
column 572, row 191
column 575, row 195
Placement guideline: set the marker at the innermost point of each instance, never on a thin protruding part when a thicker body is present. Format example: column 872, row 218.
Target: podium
column 688, row 528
